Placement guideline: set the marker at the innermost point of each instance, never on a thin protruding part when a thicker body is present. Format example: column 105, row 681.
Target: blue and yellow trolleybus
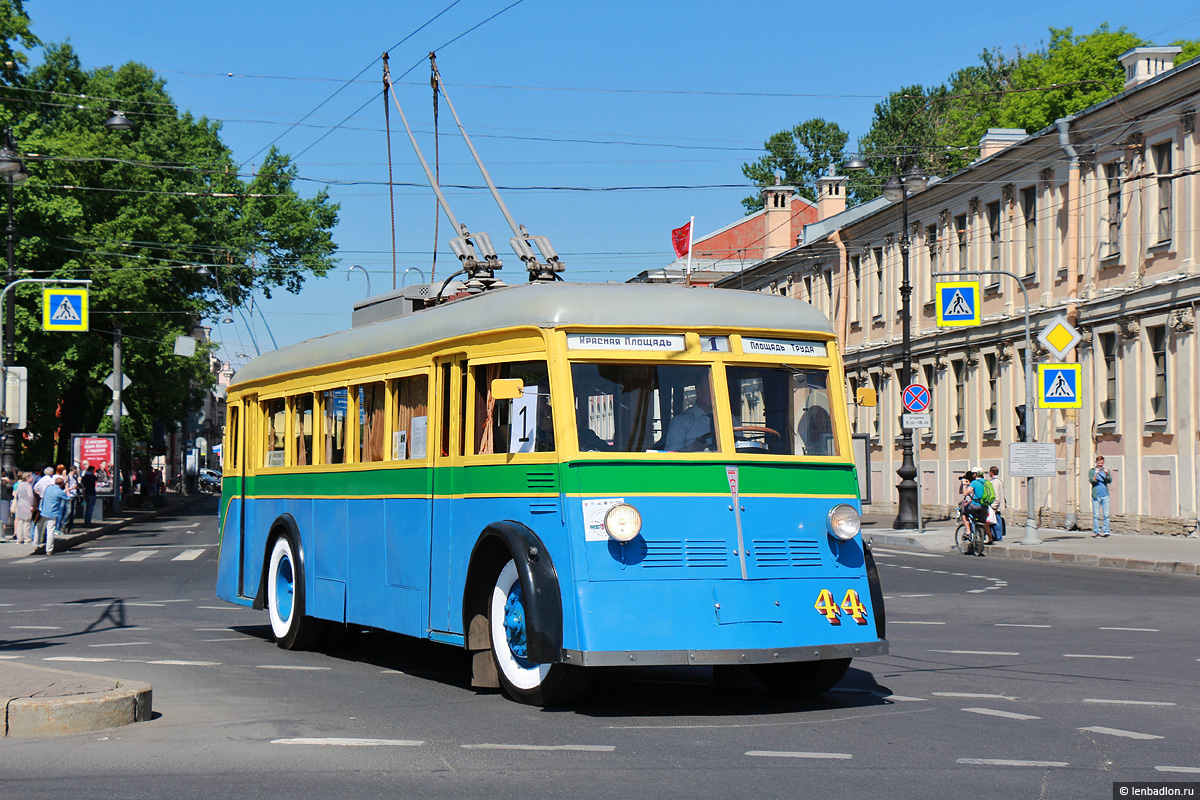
column 556, row 477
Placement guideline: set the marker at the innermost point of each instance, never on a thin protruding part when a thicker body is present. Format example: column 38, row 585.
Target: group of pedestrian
column 42, row 506
column 982, row 498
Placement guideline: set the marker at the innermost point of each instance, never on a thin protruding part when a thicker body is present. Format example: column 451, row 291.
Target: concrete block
column 32, row 717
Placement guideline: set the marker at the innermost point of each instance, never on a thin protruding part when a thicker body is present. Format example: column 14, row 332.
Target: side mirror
column 507, row 388
column 866, row 398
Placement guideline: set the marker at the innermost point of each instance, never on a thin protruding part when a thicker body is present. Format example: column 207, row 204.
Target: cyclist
column 973, row 489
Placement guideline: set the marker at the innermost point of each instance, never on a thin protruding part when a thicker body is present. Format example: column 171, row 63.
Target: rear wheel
column 962, row 539
column 285, row 598
column 801, row 678
column 523, row 680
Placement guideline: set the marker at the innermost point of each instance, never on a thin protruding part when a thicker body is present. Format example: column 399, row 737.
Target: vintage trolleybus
column 556, row 477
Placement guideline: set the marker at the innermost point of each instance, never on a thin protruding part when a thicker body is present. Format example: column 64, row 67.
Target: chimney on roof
column 777, row 218
column 831, row 195
column 997, row 139
column 1143, row 63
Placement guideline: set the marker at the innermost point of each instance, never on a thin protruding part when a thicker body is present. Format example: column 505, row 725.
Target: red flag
column 680, row 239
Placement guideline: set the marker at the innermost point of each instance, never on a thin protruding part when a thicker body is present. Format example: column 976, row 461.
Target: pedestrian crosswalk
column 121, row 555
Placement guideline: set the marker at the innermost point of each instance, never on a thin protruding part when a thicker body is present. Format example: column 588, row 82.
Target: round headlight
column 844, row 522
column 623, row 522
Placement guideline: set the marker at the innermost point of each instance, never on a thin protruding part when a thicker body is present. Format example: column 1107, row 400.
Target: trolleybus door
column 447, row 458
column 248, row 587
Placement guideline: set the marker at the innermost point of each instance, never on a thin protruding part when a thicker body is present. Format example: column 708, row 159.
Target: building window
column 878, row 253
column 1162, row 165
column 855, row 288
column 1029, row 209
column 960, row 234
column 1112, row 222
column 992, row 366
column 1108, row 352
column 1158, row 359
column 960, row 396
column 993, row 223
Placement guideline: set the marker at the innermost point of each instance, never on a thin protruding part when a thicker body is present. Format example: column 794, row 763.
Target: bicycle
column 969, row 541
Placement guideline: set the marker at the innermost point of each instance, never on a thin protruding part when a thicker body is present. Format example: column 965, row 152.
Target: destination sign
column 782, row 347
column 624, row 341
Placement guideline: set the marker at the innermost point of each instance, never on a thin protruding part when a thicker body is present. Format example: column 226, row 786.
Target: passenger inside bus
column 692, row 431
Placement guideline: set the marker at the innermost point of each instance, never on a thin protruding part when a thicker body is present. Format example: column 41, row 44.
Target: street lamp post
column 13, row 171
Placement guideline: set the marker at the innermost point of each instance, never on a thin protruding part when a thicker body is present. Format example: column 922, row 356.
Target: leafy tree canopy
column 139, row 213
column 801, row 155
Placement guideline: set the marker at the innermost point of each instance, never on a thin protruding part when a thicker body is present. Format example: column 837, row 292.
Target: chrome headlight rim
column 843, row 522
column 622, row 523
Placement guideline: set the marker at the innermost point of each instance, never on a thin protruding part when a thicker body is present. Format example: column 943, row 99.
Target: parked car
column 209, row 480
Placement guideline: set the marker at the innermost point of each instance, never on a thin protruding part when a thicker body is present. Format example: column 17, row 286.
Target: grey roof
column 547, row 305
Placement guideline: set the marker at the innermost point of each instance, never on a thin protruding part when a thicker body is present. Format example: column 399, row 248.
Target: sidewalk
column 1178, row 555
column 48, row 702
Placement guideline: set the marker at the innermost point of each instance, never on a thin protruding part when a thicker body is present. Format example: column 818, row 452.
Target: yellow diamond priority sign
column 1059, row 337
column 65, row 309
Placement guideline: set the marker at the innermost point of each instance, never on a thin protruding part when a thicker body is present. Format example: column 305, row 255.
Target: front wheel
column 962, row 539
column 801, row 678
column 523, row 680
column 976, row 538
column 285, row 598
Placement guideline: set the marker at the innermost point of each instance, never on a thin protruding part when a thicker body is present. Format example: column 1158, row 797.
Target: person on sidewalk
column 39, row 520
column 1100, row 478
column 999, row 529
column 88, row 485
column 54, row 511
column 7, row 480
column 23, row 507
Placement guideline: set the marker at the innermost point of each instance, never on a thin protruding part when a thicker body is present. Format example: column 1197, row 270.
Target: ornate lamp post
column 13, row 172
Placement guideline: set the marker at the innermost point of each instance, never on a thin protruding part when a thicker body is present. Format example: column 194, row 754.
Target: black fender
column 876, row 592
column 283, row 523
column 497, row 543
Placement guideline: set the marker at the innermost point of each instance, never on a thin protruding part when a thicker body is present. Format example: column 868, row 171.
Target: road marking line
column 915, row 595
column 338, row 742
column 140, row 555
column 96, row 554
column 991, row 712
column 221, row 608
column 1139, row 630
column 977, row 652
column 903, row 553
column 1092, row 655
column 177, row 527
column 211, row 630
column 1127, row 702
column 1121, row 733
column 77, row 658
column 975, row 591
column 35, row 628
column 188, row 555
column 233, row 639
column 10, row 658
column 585, row 748
column 912, row 622
column 1007, row 762
column 786, row 754
column 974, row 695
column 1178, row 769
column 173, row 663
column 1018, row 625
column 145, row 605
column 118, row 644
column 32, row 560
column 294, row 666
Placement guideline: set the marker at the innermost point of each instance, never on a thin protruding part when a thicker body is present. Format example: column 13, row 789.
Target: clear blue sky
column 555, row 94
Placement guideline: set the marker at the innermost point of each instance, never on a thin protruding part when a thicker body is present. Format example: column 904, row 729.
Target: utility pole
column 118, row 379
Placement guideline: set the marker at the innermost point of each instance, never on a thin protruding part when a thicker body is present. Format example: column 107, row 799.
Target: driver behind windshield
column 692, row 431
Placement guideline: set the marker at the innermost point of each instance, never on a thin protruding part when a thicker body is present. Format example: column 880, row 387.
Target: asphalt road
column 1007, row 679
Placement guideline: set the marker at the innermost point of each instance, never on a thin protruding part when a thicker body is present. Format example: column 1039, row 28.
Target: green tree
column 139, row 213
column 801, row 155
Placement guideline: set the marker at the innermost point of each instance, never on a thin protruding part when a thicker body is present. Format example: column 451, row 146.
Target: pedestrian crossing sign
column 957, row 303
column 1058, row 385
column 65, row 309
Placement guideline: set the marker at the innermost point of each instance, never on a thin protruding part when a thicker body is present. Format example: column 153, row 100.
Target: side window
column 410, row 426
column 231, row 438
column 303, row 430
column 333, row 408
column 275, row 412
column 523, row 425
column 370, row 422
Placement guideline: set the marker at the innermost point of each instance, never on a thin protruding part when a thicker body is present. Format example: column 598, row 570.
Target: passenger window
column 276, row 415
column 303, row 430
column 333, row 408
column 231, row 438
column 370, row 422
column 523, row 425
column 412, row 417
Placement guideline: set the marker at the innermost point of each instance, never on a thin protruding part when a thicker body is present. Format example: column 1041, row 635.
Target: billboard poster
column 95, row 450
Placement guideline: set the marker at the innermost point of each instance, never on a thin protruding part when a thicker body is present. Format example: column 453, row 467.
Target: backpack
column 989, row 493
